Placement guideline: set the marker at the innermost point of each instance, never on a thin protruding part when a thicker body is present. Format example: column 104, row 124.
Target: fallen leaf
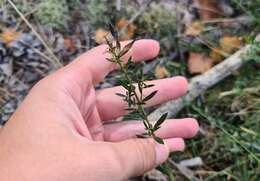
column 121, row 23
column 100, row 35
column 209, row 9
column 199, row 63
column 128, row 29
column 161, row 72
column 155, row 175
column 69, row 44
column 216, row 55
column 194, row 29
column 229, row 44
column 10, row 35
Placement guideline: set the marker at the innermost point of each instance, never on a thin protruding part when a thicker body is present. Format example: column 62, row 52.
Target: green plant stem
column 140, row 108
column 135, row 102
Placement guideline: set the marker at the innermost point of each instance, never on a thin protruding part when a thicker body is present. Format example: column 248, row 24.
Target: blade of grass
column 232, row 138
column 56, row 62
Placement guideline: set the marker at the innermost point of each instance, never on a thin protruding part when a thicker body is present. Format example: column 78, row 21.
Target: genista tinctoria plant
column 133, row 93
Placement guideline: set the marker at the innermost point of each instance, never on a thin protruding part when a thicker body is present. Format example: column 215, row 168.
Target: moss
column 98, row 12
column 53, row 13
column 25, row 6
column 159, row 20
column 254, row 53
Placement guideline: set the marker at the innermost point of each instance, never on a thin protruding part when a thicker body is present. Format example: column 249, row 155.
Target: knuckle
column 145, row 154
column 135, row 159
column 116, row 161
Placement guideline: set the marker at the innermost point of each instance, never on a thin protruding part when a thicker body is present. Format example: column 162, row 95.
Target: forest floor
column 37, row 36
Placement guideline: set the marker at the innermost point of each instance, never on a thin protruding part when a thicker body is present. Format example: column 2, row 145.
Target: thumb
column 140, row 155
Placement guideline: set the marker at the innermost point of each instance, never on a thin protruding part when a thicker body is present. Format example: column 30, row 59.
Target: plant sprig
column 134, row 92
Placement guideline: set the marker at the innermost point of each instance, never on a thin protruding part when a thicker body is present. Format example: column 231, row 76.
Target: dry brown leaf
column 209, row 9
column 229, row 44
column 121, row 23
column 100, row 35
column 129, row 31
column 216, row 55
column 199, row 63
column 194, row 29
column 69, row 44
column 10, row 35
column 161, row 72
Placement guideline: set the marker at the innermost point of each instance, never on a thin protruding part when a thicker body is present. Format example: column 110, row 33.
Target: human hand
column 58, row 132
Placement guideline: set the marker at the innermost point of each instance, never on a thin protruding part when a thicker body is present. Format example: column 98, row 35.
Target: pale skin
column 59, row 133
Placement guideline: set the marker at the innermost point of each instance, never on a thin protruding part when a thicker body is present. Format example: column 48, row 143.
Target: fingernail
column 162, row 153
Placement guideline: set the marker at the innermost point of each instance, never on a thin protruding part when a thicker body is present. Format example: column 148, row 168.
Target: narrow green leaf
column 126, row 66
column 130, row 109
column 146, row 125
column 158, row 140
column 126, row 48
column 148, row 86
column 160, row 120
column 150, row 96
column 142, row 136
column 113, row 31
column 118, row 45
column 141, row 103
column 130, row 62
column 110, row 60
column 121, row 95
column 108, row 42
column 140, row 88
column 156, row 128
column 141, row 74
column 124, row 84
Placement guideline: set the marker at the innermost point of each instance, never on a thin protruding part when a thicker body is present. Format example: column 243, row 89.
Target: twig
column 201, row 83
column 204, row 8
column 218, row 124
column 240, row 19
column 25, row 15
column 192, row 162
column 118, row 5
column 249, row 13
column 188, row 173
column 179, row 31
column 251, row 90
column 136, row 15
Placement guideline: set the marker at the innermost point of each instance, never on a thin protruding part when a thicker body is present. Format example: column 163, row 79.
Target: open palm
column 65, row 112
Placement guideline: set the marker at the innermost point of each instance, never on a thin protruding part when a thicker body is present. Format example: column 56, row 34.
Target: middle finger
column 171, row 128
column 111, row 106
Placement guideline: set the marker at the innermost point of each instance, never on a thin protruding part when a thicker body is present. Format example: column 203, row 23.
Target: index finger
column 95, row 59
